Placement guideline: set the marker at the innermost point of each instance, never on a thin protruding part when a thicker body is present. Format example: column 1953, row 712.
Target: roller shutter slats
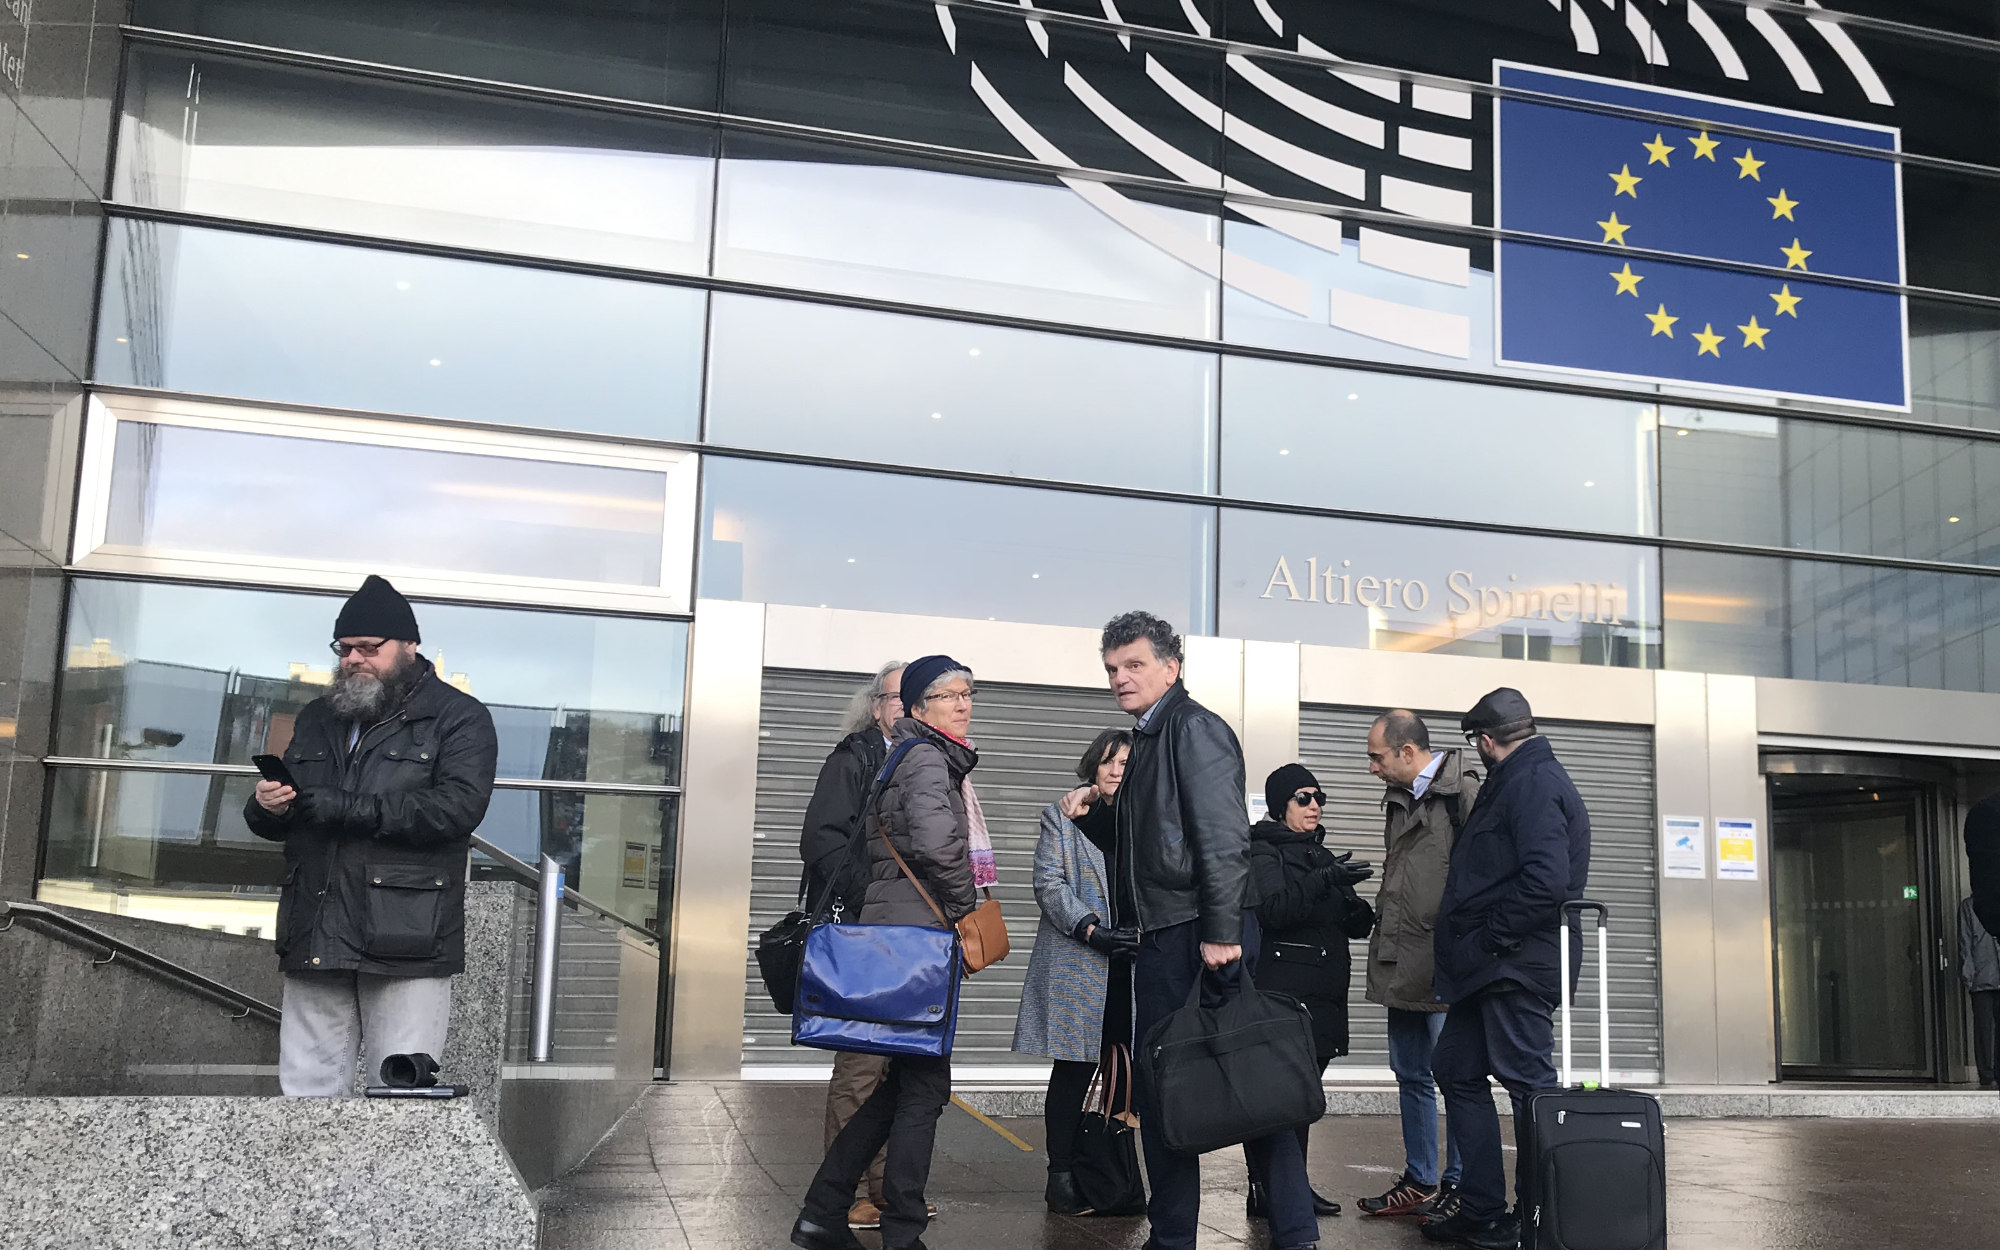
column 1029, row 738
column 1612, row 766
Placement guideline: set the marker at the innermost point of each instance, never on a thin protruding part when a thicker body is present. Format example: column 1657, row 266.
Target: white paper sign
column 1735, row 850
column 1255, row 802
column 1684, row 847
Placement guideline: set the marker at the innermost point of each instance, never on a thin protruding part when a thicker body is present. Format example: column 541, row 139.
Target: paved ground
column 722, row 1167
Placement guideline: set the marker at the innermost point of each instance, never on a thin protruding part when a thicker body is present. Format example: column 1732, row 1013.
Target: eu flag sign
column 1806, row 212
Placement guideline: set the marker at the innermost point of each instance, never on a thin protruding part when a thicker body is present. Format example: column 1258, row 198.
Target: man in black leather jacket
column 1178, row 836
column 394, row 769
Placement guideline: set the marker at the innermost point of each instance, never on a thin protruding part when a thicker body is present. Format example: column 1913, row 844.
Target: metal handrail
column 534, row 876
column 69, row 926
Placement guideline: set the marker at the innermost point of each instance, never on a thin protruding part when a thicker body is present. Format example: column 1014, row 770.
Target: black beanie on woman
column 1280, row 786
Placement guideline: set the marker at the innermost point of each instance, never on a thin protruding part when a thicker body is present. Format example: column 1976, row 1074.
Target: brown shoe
column 864, row 1214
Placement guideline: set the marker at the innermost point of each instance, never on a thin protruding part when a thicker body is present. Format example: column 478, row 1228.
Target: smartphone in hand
column 273, row 769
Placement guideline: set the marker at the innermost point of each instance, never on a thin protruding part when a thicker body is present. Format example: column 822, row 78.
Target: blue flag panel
column 1570, row 174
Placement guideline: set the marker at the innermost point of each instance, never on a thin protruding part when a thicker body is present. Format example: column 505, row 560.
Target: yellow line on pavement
column 993, row 1124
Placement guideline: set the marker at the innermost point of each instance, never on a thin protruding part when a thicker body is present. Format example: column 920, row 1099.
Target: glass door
column 1848, row 883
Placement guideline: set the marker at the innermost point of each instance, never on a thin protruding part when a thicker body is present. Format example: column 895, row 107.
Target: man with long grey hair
column 833, row 816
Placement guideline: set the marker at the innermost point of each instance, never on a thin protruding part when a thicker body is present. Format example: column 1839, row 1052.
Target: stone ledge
column 178, row 1172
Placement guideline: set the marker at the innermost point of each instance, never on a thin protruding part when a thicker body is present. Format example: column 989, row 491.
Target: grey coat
column 1062, row 998
column 1417, row 834
column 922, row 807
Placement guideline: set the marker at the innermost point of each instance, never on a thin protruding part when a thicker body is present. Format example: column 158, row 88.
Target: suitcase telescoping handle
column 1578, row 907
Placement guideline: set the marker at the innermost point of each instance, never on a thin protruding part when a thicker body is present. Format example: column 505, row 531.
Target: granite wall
column 212, row 1172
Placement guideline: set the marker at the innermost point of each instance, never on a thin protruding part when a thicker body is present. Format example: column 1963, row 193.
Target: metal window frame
column 90, row 553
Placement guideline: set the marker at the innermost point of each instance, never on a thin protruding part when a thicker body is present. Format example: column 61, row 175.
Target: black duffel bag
column 780, row 950
column 1232, row 1073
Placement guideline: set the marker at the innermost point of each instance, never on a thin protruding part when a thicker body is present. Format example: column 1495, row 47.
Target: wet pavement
column 724, row 1166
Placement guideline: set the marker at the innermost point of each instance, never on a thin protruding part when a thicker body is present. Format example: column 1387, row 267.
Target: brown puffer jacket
column 922, row 807
column 1418, row 833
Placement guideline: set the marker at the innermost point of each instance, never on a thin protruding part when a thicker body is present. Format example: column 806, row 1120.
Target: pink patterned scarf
column 985, row 869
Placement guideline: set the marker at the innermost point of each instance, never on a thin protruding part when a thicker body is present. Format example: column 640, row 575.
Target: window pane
column 825, row 220
column 1386, row 443
column 964, row 79
column 181, row 491
column 614, row 848
column 826, row 381
column 659, row 51
column 1824, row 487
column 1447, row 592
column 1832, row 622
column 221, row 313
column 207, row 135
column 202, row 674
column 881, row 542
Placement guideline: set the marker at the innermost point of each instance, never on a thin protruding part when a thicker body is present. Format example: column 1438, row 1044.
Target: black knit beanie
column 1280, row 786
column 377, row 610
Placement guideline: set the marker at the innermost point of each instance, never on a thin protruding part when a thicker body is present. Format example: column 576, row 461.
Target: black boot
column 1323, row 1205
column 1062, row 1197
column 1258, row 1205
column 808, row 1235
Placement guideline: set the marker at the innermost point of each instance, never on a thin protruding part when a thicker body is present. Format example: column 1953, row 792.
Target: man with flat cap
column 393, row 770
column 1523, row 853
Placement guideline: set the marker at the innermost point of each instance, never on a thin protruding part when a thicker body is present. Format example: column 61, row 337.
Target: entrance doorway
column 1853, row 909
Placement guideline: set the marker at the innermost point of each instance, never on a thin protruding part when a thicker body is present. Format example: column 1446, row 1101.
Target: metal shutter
column 1029, row 738
column 1612, row 766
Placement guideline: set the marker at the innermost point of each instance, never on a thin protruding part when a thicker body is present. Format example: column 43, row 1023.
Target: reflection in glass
column 223, row 313
column 659, row 51
column 1826, row 487
column 1831, row 622
column 962, row 240
column 880, row 542
column 818, row 380
column 1447, row 592
column 181, row 834
column 178, row 490
column 206, row 135
column 614, row 848
column 1954, row 364
column 199, row 674
column 827, row 64
column 1419, row 446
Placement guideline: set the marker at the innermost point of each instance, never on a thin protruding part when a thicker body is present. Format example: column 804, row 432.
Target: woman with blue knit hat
column 921, row 815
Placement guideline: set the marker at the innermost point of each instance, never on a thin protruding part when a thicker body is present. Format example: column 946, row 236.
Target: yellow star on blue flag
column 1788, row 215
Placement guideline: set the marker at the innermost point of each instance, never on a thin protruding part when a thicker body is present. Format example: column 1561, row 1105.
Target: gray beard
column 364, row 699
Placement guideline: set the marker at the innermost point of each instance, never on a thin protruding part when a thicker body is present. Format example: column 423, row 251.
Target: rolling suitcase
column 1597, row 1156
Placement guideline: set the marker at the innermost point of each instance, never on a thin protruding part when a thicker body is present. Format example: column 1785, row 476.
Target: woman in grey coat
column 1063, row 999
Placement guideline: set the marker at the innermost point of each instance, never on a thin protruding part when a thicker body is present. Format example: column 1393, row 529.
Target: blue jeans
column 1508, row 1032
column 1412, row 1037
column 1169, row 962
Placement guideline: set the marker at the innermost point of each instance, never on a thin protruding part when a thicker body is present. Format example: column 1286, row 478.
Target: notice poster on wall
column 1736, row 850
column 1684, row 847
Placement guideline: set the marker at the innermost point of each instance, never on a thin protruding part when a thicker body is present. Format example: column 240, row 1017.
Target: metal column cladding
column 1029, row 740
column 1612, row 766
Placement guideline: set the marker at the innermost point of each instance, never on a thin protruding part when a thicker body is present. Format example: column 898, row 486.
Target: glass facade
column 1029, row 317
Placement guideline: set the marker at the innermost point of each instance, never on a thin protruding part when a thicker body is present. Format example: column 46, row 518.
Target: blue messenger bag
column 880, row 989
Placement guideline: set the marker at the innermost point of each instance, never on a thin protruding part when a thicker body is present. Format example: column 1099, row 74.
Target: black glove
column 1113, row 942
column 1345, row 872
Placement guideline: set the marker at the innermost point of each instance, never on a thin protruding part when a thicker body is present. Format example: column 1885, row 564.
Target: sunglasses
column 1305, row 798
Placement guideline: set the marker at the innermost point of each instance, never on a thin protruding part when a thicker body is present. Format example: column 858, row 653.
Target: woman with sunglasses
column 1309, row 912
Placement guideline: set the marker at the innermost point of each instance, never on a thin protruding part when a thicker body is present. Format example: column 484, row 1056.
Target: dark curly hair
column 1129, row 627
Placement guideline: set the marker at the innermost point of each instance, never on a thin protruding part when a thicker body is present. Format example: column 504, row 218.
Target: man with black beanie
column 1524, row 851
column 393, row 771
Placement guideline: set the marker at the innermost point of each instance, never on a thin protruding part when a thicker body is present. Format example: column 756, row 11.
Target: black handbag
column 1232, row 1073
column 1105, row 1154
